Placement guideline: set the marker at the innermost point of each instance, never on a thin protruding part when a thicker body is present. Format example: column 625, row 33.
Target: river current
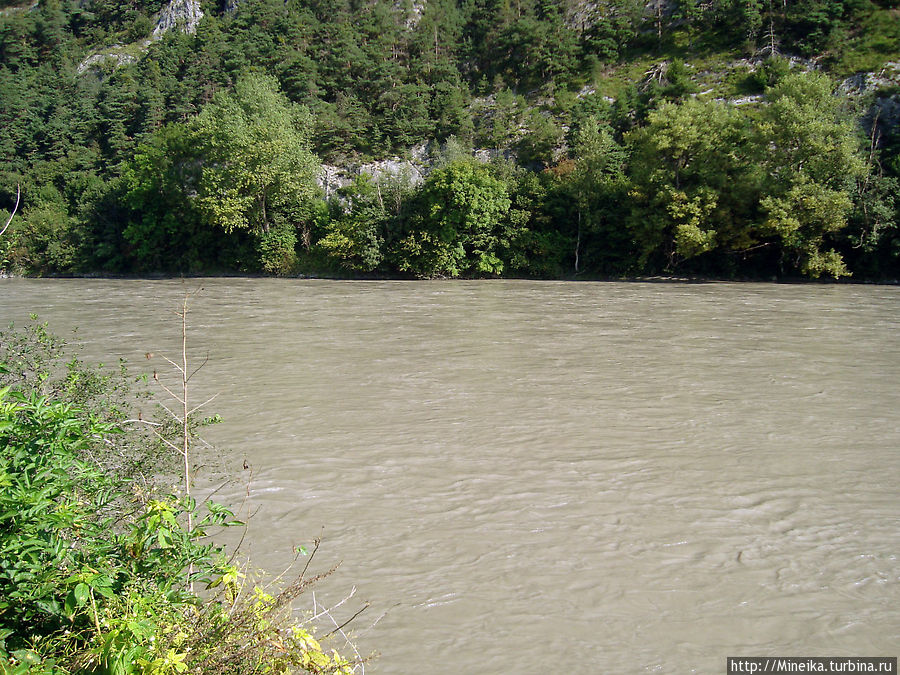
column 548, row 477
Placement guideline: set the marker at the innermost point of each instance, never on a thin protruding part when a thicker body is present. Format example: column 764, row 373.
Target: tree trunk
column 265, row 218
column 578, row 245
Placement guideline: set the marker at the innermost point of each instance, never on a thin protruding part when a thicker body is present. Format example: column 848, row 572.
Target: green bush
column 277, row 250
column 459, row 224
column 98, row 573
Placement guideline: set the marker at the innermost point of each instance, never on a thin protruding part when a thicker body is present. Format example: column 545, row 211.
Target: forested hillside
column 547, row 138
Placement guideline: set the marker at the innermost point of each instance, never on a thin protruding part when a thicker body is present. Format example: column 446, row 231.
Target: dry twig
column 15, row 208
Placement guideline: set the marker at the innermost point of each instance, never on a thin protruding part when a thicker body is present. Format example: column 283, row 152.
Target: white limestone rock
column 184, row 14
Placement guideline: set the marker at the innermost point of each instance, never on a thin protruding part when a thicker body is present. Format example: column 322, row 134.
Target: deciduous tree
column 458, row 224
column 256, row 162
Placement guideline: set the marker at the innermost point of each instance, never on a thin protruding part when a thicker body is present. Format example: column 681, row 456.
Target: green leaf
column 164, row 537
column 82, row 593
column 105, row 591
column 27, row 656
column 69, row 607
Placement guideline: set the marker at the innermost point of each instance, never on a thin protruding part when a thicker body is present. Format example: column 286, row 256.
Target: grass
column 875, row 42
column 867, row 47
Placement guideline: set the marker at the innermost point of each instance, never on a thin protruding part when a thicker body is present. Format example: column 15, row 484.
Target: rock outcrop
column 185, row 14
column 115, row 55
column 415, row 13
column 178, row 14
column 410, row 172
column 865, row 83
column 884, row 111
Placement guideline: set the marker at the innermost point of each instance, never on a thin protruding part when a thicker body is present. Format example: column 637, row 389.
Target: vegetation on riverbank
column 557, row 138
column 101, row 571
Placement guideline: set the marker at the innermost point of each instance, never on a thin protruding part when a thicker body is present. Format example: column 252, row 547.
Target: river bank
column 665, row 279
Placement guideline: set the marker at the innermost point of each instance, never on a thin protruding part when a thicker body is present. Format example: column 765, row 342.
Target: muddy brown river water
column 542, row 477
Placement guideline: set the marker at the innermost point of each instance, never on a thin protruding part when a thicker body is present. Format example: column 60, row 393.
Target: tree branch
column 15, row 208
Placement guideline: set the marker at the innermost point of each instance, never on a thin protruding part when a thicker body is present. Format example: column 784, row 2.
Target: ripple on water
column 560, row 477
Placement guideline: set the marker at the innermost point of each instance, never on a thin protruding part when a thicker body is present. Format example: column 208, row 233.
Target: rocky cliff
column 183, row 13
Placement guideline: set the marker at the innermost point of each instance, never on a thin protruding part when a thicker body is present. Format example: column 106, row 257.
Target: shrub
column 277, row 250
column 97, row 573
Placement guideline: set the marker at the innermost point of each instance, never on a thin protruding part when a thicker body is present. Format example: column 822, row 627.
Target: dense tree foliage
column 199, row 152
column 458, row 223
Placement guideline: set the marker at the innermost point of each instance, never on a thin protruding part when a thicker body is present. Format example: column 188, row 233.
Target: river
column 549, row 477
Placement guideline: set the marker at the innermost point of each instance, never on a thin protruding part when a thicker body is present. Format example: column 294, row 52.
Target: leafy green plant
column 278, row 250
column 35, row 359
column 97, row 574
column 459, row 224
column 354, row 236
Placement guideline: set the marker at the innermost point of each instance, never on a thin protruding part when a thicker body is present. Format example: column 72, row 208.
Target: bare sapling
column 182, row 418
column 247, row 609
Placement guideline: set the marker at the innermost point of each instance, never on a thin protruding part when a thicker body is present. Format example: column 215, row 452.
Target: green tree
column 118, row 109
column 614, row 25
column 595, row 184
column 164, row 229
column 449, row 111
column 257, row 171
column 693, row 182
column 502, row 121
column 458, row 224
column 43, row 241
column 436, row 42
column 801, row 218
column 812, row 157
column 808, row 132
column 541, row 140
column 355, row 235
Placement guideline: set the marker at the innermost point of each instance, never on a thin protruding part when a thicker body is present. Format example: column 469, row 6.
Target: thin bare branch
column 239, row 544
column 298, row 551
column 206, row 402
column 205, row 442
column 297, row 589
column 213, row 493
column 140, row 421
column 325, row 611
column 15, row 208
column 380, row 617
column 169, row 391
column 175, row 365
column 246, row 527
column 166, row 441
column 198, row 368
column 316, row 543
column 173, row 415
column 340, row 628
